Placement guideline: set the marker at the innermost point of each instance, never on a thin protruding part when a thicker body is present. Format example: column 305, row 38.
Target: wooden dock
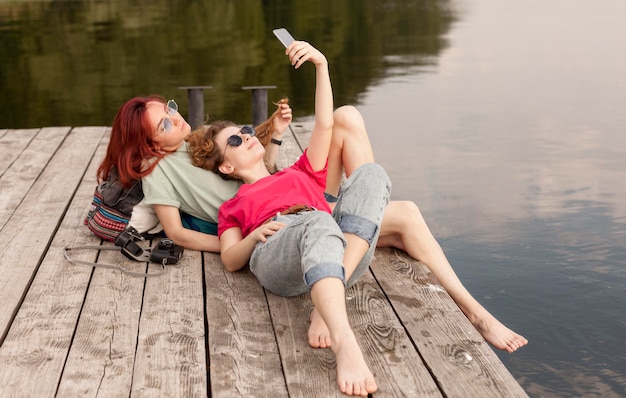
column 76, row 331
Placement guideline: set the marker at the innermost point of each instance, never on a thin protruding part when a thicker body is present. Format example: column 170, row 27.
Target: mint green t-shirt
column 178, row 183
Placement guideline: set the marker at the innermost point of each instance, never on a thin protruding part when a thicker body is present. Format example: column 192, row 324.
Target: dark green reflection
column 75, row 62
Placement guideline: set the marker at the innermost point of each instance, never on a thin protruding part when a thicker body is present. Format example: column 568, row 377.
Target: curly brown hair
column 205, row 154
column 202, row 149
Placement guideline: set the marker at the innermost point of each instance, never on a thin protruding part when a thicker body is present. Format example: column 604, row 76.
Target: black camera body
column 166, row 252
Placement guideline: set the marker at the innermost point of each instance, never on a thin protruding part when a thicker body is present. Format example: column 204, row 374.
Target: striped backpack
column 112, row 207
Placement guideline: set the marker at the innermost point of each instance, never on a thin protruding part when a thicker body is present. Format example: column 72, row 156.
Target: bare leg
column 347, row 123
column 350, row 147
column 353, row 375
column 403, row 227
column 318, row 333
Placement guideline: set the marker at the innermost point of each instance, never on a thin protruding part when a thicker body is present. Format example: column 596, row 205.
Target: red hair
column 131, row 145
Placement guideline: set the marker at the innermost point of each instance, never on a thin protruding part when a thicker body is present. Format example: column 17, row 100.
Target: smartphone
column 284, row 36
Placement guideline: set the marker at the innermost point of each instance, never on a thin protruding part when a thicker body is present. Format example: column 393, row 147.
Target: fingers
column 268, row 229
column 286, row 113
column 300, row 51
column 284, row 118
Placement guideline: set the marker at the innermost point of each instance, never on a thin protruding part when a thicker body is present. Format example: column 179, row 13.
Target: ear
column 226, row 168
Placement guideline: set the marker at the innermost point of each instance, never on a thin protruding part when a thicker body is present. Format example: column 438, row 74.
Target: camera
column 166, row 252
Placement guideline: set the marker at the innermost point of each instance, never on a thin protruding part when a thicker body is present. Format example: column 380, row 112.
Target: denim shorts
column 311, row 246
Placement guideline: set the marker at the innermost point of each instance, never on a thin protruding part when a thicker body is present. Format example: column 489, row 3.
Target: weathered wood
column 25, row 238
column 102, row 355
column 388, row 351
column 290, row 150
column 13, row 143
column 243, row 355
column 27, row 154
column 171, row 357
column 456, row 353
column 36, row 346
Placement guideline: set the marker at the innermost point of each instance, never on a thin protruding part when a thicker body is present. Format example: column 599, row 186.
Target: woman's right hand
column 260, row 234
column 300, row 51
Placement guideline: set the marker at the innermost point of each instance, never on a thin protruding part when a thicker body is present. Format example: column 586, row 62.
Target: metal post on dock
column 195, row 95
column 259, row 103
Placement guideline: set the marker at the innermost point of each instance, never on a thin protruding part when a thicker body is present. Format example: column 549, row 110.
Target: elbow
column 229, row 265
column 176, row 237
column 328, row 124
column 325, row 125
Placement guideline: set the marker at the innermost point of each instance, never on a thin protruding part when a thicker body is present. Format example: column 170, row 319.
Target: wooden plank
column 27, row 154
column 398, row 369
column 243, row 355
column 102, row 354
column 171, row 354
column 13, row 143
column 291, row 149
column 26, row 236
column 457, row 355
column 37, row 343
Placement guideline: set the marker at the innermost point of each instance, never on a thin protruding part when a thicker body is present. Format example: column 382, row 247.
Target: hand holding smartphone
column 284, row 36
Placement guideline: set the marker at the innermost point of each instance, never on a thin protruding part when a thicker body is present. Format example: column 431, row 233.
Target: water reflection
column 74, row 63
column 513, row 146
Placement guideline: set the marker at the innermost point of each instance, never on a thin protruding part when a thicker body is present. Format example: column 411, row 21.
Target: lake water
column 505, row 121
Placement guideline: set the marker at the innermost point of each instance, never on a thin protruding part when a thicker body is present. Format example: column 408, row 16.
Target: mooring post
column 195, row 95
column 259, row 103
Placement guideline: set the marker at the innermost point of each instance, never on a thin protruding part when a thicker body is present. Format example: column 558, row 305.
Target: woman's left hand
column 300, row 51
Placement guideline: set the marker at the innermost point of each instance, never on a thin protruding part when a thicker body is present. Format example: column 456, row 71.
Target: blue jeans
column 311, row 246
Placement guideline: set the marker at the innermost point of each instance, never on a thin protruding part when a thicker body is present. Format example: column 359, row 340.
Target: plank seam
column 408, row 334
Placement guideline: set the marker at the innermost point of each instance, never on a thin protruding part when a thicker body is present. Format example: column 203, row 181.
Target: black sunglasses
column 235, row 140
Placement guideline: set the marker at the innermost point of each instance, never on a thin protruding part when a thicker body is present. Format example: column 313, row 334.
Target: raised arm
column 319, row 145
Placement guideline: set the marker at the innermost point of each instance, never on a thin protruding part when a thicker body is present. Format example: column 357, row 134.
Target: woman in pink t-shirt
column 281, row 224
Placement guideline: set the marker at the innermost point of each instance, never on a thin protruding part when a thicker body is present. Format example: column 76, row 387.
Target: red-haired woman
column 148, row 146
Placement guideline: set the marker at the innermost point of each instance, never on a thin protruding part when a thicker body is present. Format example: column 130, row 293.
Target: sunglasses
column 235, row 140
column 166, row 125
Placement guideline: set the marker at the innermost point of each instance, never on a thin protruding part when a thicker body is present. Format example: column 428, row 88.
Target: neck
column 253, row 175
column 172, row 148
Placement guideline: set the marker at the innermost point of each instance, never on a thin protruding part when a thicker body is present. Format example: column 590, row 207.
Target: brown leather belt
column 291, row 210
column 295, row 209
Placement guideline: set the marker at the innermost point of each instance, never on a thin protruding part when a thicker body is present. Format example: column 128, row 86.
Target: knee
column 405, row 206
column 348, row 117
column 404, row 212
column 372, row 173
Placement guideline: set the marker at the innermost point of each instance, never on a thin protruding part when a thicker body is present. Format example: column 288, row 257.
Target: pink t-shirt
column 255, row 203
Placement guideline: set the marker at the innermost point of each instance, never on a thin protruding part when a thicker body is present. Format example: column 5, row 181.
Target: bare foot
column 353, row 375
column 319, row 335
column 496, row 333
